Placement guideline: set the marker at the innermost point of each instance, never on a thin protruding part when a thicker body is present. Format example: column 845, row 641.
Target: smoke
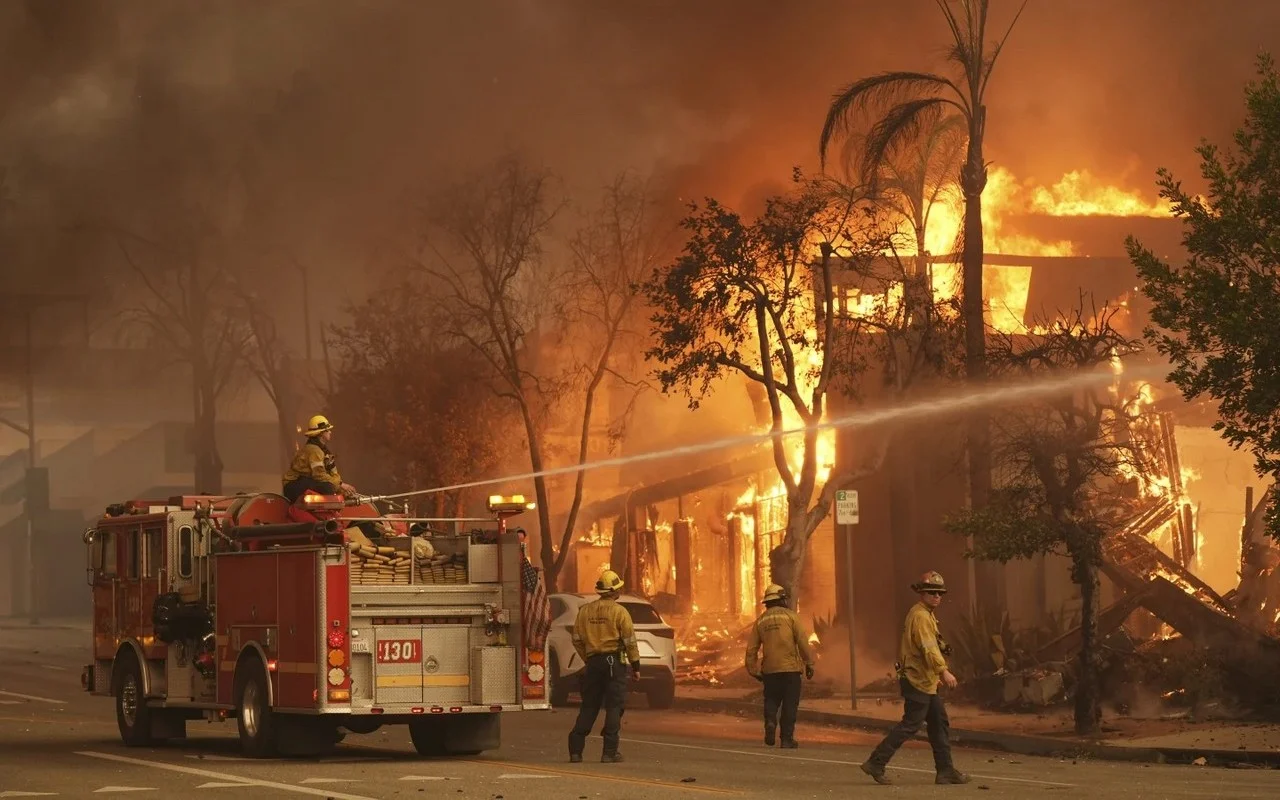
column 338, row 111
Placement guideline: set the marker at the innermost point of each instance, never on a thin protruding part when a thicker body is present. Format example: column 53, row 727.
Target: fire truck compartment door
column 421, row 664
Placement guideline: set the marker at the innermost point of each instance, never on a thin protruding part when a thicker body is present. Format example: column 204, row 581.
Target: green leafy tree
column 1214, row 317
column 1058, row 461
column 909, row 103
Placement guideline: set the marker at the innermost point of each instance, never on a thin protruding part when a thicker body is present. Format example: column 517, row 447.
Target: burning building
column 698, row 539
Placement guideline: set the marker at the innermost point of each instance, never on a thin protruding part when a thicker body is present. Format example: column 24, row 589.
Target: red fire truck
column 249, row 606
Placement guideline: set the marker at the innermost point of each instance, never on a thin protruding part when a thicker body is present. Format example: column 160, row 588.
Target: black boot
column 789, row 744
column 876, row 772
column 951, row 775
column 611, row 758
column 769, row 733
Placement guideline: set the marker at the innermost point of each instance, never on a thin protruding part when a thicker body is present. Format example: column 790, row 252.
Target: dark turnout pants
column 604, row 682
column 918, row 709
column 298, row 486
column 781, row 698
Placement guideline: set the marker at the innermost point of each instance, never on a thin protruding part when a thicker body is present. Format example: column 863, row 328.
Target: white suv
column 656, row 640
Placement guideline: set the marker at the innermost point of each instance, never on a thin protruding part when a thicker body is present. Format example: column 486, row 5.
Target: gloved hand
column 635, row 670
column 808, row 671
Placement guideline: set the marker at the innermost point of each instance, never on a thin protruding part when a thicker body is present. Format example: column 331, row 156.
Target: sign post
column 847, row 517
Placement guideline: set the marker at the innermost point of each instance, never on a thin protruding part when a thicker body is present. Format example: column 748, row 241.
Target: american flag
column 536, row 610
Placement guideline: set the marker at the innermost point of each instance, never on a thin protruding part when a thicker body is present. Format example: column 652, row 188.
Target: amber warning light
column 512, row 504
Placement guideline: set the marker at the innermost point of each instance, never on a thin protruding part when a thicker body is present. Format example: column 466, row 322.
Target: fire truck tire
column 132, row 715
column 255, row 718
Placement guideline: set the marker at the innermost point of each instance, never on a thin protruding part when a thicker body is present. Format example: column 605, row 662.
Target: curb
column 1021, row 744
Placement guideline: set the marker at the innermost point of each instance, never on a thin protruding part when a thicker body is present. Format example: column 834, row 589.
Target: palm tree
column 910, row 102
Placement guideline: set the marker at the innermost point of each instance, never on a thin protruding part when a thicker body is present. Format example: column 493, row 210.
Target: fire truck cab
column 245, row 606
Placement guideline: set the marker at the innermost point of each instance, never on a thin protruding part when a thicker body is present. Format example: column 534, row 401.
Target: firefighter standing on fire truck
column 314, row 466
column 605, row 638
column 922, row 665
column 786, row 652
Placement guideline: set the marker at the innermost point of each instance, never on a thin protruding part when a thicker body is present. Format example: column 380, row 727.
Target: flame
column 813, row 639
column 1007, row 288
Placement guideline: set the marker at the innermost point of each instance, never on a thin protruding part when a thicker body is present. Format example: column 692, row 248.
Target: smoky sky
column 332, row 114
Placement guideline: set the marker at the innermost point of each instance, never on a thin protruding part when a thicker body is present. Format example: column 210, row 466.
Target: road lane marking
column 16, row 793
column 222, row 776
column 225, row 785
column 509, row 776
column 757, row 754
column 424, row 778
column 574, row 773
column 580, row 774
column 113, row 789
column 329, row 780
column 34, row 697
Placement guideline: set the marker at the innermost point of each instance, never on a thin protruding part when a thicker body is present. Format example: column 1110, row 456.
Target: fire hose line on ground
column 993, row 395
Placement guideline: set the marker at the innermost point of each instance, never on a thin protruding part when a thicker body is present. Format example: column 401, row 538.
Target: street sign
column 847, row 507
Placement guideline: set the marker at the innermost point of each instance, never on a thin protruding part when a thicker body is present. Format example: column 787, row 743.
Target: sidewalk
column 1049, row 733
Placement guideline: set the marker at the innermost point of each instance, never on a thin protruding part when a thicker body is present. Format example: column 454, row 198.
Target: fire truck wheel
column 132, row 715
column 256, row 720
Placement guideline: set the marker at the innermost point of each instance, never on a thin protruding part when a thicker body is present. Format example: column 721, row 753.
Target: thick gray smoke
column 338, row 110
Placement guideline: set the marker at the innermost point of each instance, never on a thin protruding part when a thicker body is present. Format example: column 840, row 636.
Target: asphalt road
column 55, row 741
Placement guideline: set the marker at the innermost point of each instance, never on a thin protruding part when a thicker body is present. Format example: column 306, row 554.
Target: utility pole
column 30, row 383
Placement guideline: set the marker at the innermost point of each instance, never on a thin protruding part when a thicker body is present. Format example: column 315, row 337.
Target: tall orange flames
column 1007, row 288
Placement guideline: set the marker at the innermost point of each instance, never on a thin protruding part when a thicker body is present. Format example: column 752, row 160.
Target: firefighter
column 314, row 466
column 786, row 654
column 605, row 639
column 922, row 665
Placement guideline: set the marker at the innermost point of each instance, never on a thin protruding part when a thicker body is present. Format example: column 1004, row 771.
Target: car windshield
column 642, row 614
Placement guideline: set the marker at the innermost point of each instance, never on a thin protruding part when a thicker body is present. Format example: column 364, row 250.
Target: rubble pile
column 710, row 653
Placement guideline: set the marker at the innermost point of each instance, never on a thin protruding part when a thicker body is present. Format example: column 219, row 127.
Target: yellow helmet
column 930, row 582
column 774, row 592
column 609, row 582
column 318, row 425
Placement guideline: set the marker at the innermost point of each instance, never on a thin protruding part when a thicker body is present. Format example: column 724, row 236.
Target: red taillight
column 337, row 639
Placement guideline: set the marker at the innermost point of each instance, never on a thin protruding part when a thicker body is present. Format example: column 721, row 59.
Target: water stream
column 991, row 395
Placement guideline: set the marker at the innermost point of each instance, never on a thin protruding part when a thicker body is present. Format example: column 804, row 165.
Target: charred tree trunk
column 973, row 180
column 786, row 561
column 1088, row 713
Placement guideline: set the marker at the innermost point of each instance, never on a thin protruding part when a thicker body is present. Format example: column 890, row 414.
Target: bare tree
column 270, row 361
column 189, row 309
column 486, row 244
